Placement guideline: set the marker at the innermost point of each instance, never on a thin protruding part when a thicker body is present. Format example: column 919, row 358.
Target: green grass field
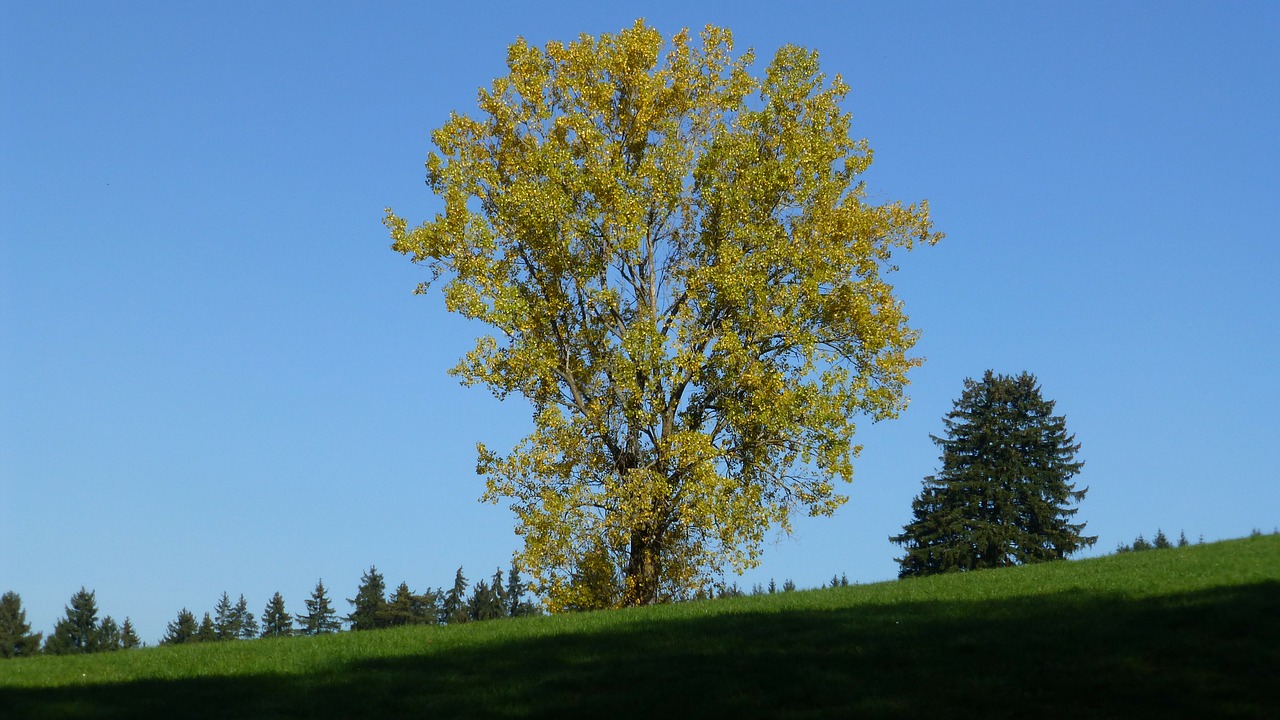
column 1191, row 632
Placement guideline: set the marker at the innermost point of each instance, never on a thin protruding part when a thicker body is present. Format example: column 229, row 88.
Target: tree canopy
column 181, row 630
column 78, row 631
column 369, row 606
column 685, row 277
column 1004, row 491
column 16, row 638
column 320, row 617
column 276, row 622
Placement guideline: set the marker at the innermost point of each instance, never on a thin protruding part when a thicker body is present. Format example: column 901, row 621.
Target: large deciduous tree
column 1004, row 492
column 686, row 279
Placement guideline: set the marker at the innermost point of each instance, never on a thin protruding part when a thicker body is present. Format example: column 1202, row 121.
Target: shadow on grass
column 1212, row 653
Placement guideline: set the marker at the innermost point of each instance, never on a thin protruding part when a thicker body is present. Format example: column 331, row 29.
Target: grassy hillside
column 1191, row 632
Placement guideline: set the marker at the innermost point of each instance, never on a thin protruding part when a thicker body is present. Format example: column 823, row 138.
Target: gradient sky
column 214, row 375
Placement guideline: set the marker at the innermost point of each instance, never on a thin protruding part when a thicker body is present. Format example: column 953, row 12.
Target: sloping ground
column 1192, row 632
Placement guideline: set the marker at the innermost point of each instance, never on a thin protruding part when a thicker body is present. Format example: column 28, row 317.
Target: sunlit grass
column 1181, row 631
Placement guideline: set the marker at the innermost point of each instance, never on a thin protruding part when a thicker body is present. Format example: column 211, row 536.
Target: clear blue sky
column 214, row 376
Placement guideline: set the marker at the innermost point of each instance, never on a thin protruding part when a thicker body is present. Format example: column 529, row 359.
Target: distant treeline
column 1159, row 542
column 1162, row 541
column 373, row 607
column 81, row 631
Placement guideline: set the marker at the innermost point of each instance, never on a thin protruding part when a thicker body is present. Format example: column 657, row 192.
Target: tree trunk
column 642, row 570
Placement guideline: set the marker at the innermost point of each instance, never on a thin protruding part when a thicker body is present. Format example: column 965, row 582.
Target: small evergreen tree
column 499, row 592
column 16, row 638
column 225, row 625
column 488, row 600
column 182, row 630
column 788, row 586
column 208, row 631
column 128, row 638
column 320, row 618
column 481, row 606
column 844, row 580
column 78, row 631
column 1182, row 539
column 455, row 601
column 428, row 607
column 773, row 587
column 109, row 635
column 370, row 603
column 515, row 590
column 1161, row 542
column 1140, row 543
column 728, row 591
column 244, row 620
column 275, row 621
column 399, row 607
column 517, row 606
column 1003, row 493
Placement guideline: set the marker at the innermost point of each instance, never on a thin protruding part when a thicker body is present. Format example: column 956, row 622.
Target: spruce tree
column 455, row 601
column 320, row 617
column 225, row 625
column 208, row 631
column 499, row 594
column 1003, row 494
column 370, row 603
column 109, row 635
column 128, row 637
column 16, row 638
column 428, row 607
column 182, row 630
column 275, row 621
column 517, row 606
column 78, row 631
column 486, row 602
column 477, row 604
column 399, row 609
column 244, row 620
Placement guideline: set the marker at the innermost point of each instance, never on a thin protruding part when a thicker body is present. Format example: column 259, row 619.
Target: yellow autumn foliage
column 684, row 276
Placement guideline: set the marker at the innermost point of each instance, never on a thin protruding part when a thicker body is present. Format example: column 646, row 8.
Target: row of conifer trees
column 372, row 608
column 81, row 631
